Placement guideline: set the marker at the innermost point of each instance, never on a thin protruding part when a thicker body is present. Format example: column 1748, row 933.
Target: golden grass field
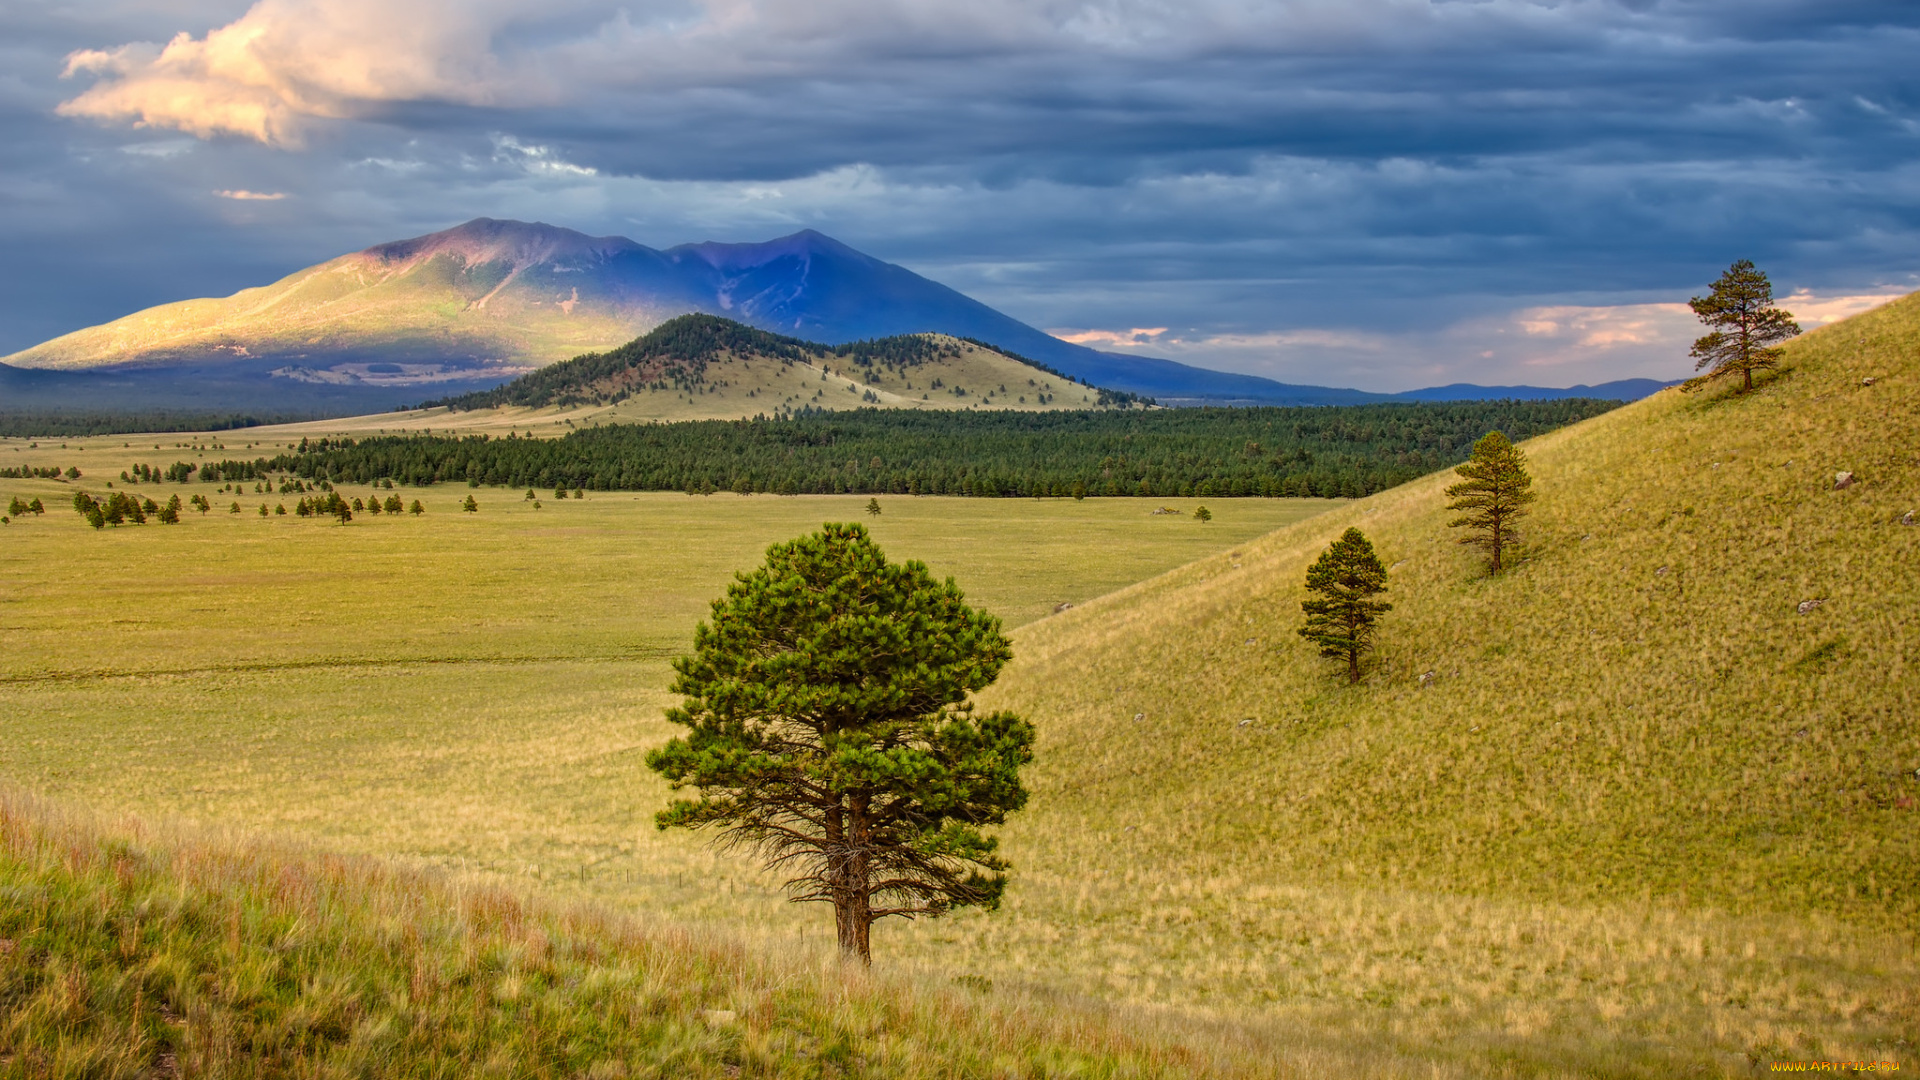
column 1624, row 811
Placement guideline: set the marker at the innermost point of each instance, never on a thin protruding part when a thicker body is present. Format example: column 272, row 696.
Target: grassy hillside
column 1624, row 802
column 707, row 355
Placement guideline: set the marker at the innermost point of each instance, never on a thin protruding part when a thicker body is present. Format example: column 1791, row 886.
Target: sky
column 1383, row 194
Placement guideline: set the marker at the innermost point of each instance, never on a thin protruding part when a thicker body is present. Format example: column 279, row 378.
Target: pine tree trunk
column 852, row 886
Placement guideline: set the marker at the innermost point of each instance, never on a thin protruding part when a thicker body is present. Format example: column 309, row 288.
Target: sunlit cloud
column 1111, row 339
column 244, row 195
column 1811, row 311
column 1563, row 331
column 285, row 63
column 1552, row 345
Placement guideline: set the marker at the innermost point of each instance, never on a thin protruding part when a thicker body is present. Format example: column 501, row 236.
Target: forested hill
column 677, row 353
column 1306, row 451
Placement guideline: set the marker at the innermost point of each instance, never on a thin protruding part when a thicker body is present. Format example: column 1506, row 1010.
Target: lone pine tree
column 1492, row 497
column 1342, row 614
column 1746, row 327
column 830, row 732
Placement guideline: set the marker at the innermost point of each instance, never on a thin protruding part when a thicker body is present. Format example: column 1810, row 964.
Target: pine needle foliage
column 830, row 731
column 1342, row 614
column 1492, row 497
column 1746, row 327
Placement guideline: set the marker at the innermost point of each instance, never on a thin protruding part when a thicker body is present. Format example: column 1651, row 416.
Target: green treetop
column 1492, row 496
column 1342, row 613
column 1746, row 327
column 830, row 732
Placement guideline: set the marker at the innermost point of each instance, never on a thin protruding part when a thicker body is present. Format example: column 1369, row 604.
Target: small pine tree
column 1341, row 616
column 530, row 496
column 470, row 506
column 1492, row 497
column 417, row 509
column 1201, row 513
column 829, row 728
column 394, row 505
column 873, row 507
column 1746, row 327
column 235, row 508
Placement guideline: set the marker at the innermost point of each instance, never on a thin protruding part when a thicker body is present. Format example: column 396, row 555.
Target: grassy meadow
column 1634, row 808
column 472, row 690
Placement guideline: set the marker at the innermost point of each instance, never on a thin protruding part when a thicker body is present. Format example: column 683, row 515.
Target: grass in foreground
column 129, row 954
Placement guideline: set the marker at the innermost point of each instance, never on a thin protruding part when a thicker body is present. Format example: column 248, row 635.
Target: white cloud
column 538, row 160
column 243, row 195
column 270, row 73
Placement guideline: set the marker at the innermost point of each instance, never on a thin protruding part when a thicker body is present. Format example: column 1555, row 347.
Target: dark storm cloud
column 1225, row 172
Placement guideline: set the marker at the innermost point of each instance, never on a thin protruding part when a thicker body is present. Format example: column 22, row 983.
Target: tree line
column 60, row 422
column 19, row 507
column 38, row 472
column 119, row 508
column 1344, row 451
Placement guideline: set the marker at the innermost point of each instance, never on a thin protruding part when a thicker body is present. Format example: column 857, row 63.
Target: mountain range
column 477, row 305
